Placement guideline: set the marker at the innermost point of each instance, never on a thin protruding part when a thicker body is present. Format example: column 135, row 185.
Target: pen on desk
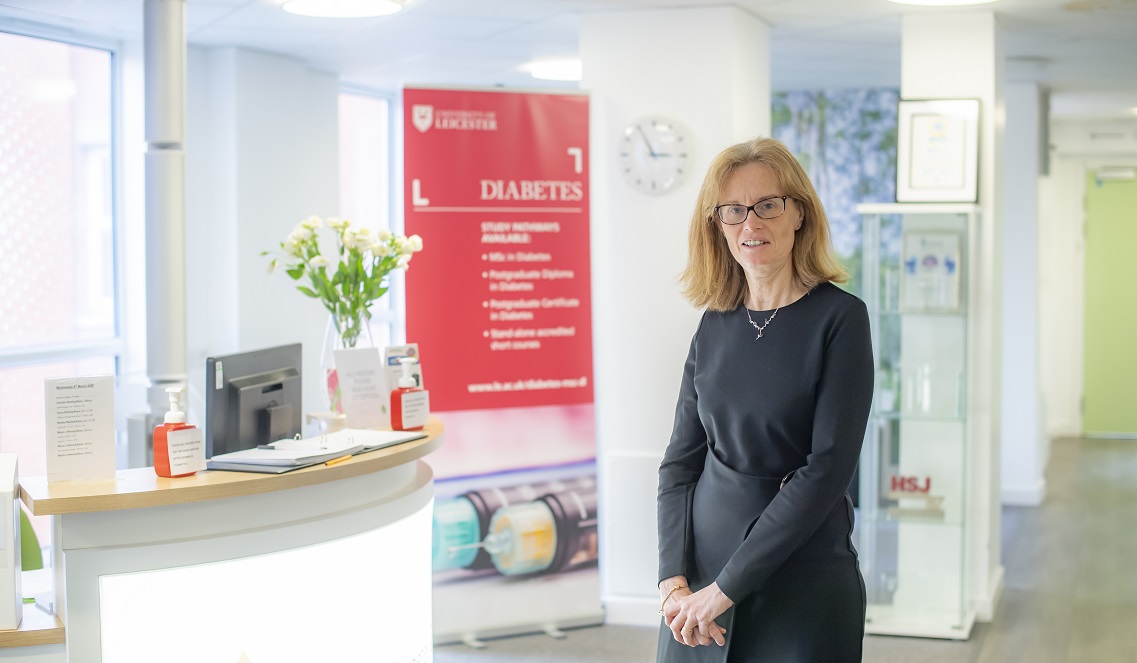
column 337, row 461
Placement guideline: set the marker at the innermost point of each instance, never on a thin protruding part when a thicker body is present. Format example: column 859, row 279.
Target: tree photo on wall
column 846, row 141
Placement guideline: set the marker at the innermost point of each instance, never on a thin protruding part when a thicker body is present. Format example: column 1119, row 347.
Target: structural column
column 165, row 93
column 1024, row 443
column 958, row 55
column 709, row 70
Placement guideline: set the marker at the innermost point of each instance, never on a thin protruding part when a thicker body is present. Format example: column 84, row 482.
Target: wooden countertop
column 36, row 628
column 140, row 487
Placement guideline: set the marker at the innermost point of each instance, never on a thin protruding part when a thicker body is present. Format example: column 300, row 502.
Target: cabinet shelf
column 883, row 518
column 904, row 418
column 891, row 312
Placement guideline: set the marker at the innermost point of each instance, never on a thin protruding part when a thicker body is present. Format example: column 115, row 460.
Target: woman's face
column 762, row 246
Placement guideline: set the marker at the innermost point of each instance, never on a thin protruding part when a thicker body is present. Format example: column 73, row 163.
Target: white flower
column 337, row 223
column 293, row 247
column 318, row 261
column 415, row 242
column 301, row 233
column 384, row 234
column 380, row 249
column 312, row 222
column 404, row 260
column 404, row 246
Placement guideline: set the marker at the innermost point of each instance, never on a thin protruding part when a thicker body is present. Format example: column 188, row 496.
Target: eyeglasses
column 733, row 214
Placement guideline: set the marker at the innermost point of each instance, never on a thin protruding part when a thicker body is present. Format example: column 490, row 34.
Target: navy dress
column 750, row 411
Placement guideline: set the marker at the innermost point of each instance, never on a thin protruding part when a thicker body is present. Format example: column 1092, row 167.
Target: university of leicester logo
column 423, row 116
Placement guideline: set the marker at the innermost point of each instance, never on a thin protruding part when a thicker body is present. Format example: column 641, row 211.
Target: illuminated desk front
column 227, row 566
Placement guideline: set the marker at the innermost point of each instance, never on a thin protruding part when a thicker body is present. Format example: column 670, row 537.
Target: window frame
column 114, row 345
column 394, row 316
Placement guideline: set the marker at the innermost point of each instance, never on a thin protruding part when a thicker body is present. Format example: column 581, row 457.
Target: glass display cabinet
column 912, row 527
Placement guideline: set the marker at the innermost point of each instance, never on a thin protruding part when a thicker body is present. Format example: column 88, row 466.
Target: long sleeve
column 842, row 402
column 678, row 473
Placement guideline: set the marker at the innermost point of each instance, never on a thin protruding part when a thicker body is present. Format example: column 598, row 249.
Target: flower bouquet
column 346, row 282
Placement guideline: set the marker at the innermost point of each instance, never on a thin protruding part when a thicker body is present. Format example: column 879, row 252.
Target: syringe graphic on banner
column 556, row 532
column 462, row 522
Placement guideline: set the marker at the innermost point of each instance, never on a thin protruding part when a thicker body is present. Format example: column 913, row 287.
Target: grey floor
column 1070, row 590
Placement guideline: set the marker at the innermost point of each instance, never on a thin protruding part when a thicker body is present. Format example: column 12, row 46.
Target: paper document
column 294, row 452
column 377, row 439
column 79, row 413
column 367, row 438
column 253, row 467
column 345, row 438
column 310, row 450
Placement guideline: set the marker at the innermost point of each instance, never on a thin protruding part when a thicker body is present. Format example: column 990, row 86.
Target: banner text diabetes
column 565, row 190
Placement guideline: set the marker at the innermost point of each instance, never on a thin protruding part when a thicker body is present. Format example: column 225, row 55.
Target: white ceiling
column 1085, row 51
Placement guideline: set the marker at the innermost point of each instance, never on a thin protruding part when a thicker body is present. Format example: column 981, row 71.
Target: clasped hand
column 690, row 616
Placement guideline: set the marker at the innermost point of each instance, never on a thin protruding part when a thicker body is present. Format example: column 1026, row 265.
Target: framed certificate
column 937, row 159
column 930, row 272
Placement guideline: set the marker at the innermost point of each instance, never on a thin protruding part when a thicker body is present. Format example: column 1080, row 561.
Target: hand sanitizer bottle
column 176, row 421
column 410, row 403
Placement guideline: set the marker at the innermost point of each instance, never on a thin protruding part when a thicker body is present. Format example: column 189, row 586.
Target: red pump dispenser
column 175, row 420
column 410, row 403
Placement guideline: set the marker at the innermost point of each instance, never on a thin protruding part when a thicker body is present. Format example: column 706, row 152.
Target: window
column 58, row 304
column 365, row 192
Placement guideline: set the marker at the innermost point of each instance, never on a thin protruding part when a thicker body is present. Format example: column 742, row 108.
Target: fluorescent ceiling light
column 555, row 70
column 1117, row 173
column 343, row 8
column 943, row 3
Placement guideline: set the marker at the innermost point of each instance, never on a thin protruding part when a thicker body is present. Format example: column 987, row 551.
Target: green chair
column 31, row 556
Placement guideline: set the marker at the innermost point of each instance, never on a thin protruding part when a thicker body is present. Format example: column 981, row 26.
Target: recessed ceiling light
column 343, row 8
column 943, row 3
column 555, row 70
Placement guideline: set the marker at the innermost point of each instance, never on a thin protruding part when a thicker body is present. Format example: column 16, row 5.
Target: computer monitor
column 251, row 398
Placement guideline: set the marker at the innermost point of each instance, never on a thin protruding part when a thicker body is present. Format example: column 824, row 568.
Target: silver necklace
column 755, row 324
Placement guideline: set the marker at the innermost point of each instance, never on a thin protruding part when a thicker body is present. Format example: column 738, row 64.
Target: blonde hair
column 713, row 279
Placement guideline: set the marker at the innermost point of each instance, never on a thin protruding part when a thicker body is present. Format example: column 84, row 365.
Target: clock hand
column 646, row 142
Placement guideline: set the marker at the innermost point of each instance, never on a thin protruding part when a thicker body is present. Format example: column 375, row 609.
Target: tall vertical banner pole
column 500, row 307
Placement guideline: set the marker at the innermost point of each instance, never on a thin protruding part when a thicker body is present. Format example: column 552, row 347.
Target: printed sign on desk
column 363, row 387
column 80, row 428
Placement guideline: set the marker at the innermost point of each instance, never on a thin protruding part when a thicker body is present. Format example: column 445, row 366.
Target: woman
column 755, row 553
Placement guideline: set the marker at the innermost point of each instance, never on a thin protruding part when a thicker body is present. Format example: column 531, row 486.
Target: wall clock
column 653, row 153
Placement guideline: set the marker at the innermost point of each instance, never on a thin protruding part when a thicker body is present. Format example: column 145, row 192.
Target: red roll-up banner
column 496, row 184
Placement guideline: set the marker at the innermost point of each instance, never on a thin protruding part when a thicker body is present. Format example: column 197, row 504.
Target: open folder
column 297, row 453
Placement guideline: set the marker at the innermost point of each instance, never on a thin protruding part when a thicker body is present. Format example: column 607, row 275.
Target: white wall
column 709, row 69
column 261, row 154
column 1076, row 146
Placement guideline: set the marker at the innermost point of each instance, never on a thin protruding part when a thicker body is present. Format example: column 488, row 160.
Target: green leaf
column 325, row 290
column 307, row 291
column 296, row 272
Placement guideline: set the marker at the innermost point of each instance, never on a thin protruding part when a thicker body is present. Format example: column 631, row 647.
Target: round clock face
column 653, row 154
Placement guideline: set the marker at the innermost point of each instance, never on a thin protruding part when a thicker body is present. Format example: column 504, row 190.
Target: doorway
column 1110, row 353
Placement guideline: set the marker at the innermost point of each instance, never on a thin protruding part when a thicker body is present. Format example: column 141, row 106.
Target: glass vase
column 340, row 334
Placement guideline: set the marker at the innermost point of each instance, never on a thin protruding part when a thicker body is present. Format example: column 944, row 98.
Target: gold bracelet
column 677, row 586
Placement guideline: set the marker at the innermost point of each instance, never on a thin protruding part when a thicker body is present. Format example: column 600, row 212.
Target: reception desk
column 323, row 563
